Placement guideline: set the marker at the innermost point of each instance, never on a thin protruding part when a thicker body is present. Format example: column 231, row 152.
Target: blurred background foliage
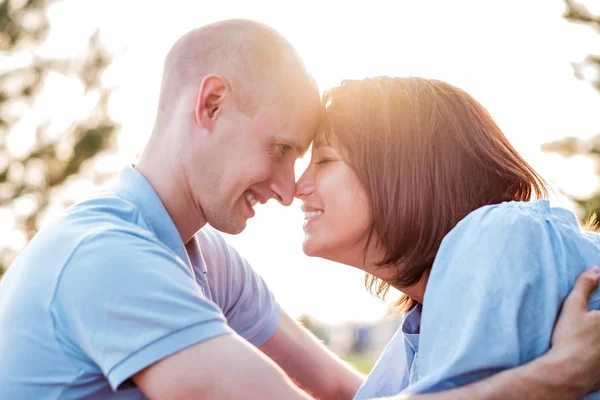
column 40, row 162
column 588, row 70
column 42, row 173
column 43, row 161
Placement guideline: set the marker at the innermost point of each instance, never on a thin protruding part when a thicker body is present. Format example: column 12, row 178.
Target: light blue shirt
column 492, row 298
column 110, row 289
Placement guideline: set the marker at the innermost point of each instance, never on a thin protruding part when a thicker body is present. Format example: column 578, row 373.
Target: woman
column 412, row 181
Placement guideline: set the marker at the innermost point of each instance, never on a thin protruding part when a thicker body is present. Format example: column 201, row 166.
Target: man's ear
column 211, row 95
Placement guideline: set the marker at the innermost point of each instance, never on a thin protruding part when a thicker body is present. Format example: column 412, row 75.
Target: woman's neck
column 417, row 291
column 388, row 274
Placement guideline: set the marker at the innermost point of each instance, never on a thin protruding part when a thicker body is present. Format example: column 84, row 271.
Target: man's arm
column 546, row 378
column 225, row 367
column 565, row 372
column 309, row 363
column 251, row 310
column 228, row 367
column 568, row 371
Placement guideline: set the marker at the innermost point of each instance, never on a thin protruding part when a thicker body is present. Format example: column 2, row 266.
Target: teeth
column 251, row 199
column 311, row 214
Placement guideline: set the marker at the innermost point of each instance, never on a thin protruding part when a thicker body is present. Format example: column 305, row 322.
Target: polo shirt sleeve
column 125, row 301
column 248, row 304
column 491, row 300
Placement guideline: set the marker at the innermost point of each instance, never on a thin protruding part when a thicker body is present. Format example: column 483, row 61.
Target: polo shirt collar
column 134, row 187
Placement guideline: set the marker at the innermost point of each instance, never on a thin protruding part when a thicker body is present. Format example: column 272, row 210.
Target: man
column 127, row 297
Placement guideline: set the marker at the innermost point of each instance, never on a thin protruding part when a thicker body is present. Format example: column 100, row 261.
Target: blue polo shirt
column 495, row 289
column 110, row 289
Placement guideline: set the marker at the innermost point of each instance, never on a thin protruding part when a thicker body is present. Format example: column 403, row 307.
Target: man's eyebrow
column 298, row 148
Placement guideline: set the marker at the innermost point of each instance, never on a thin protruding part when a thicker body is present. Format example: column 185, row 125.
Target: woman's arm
column 568, row 371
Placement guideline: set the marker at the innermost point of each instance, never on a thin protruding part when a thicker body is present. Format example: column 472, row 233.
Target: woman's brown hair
column 428, row 154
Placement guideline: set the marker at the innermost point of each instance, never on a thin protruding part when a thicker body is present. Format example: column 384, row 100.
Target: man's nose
column 284, row 187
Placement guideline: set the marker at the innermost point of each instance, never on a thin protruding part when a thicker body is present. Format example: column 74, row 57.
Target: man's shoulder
column 105, row 209
column 104, row 219
column 107, row 217
column 209, row 239
column 117, row 257
column 215, row 249
column 99, row 232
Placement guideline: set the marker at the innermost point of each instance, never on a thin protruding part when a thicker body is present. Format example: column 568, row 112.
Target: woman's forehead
column 323, row 138
column 319, row 142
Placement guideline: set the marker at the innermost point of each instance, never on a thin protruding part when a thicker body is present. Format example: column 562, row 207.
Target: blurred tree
column 589, row 70
column 38, row 162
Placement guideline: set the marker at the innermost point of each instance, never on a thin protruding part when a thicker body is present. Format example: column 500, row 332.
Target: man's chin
column 230, row 227
column 237, row 231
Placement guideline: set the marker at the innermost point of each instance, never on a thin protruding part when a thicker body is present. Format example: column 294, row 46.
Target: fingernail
column 594, row 270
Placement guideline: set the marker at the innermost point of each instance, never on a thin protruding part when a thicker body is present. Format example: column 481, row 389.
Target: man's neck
column 169, row 182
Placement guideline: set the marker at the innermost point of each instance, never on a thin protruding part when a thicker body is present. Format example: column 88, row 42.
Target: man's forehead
column 301, row 135
column 299, row 141
column 297, row 126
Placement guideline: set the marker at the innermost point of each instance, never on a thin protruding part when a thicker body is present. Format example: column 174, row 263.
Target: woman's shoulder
column 493, row 246
column 518, row 238
column 513, row 218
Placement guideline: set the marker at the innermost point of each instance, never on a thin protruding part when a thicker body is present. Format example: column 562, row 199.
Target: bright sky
column 514, row 56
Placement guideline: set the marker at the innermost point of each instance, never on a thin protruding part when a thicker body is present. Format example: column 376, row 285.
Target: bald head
column 259, row 65
column 237, row 107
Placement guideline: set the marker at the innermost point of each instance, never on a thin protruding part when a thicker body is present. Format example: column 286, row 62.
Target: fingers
column 584, row 286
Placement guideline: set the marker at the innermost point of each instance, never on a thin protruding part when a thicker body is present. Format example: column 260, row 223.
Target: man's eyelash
column 280, row 150
column 283, row 148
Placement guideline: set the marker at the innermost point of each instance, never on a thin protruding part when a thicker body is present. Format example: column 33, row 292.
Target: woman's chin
column 306, row 248
column 310, row 248
column 313, row 248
